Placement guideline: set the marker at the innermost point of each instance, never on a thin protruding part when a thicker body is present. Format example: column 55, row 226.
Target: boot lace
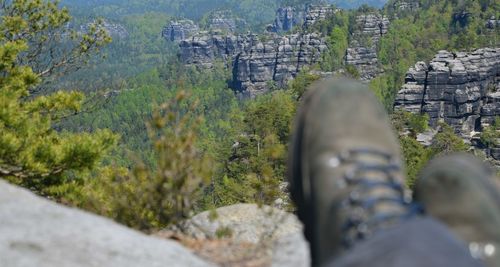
column 363, row 216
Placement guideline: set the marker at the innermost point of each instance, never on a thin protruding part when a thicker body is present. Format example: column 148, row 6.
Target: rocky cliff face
column 460, row 89
column 493, row 23
column 287, row 18
column 275, row 62
column 406, row 5
column 225, row 21
column 457, row 88
column 205, row 49
column 257, row 64
column 316, row 12
column 179, row 30
column 362, row 51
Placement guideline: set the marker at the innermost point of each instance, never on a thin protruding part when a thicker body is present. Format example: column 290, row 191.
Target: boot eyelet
column 334, row 162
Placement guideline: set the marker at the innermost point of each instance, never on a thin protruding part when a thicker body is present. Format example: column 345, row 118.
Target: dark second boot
column 459, row 191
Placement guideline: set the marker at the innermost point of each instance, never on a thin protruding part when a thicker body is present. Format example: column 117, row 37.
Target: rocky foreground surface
column 37, row 232
column 245, row 235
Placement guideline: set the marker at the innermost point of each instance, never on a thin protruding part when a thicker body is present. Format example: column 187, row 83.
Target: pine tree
column 32, row 153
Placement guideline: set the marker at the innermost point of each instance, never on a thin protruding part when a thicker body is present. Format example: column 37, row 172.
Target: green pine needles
column 32, row 153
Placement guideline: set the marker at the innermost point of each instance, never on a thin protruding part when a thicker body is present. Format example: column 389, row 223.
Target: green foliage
column 299, row 85
column 53, row 50
column 128, row 111
column 418, row 123
column 224, row 232
column 409, row 125
column 126, row 57
column 151, row 198
column 490, row 135
column 415, row 155
column 337, row 43
column 336, row 28
column 446, row 141
column 271, row 115
column 415, row 124
column 255, row 168
column 32, row 153
column 396, row 54
column 381, row 88
column 352, row 71
column 417, row 36
column 256, row 12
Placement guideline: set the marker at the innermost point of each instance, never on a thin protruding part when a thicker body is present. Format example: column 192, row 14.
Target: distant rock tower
column 287, row 18
column 179, row 30
column 316, row 12
column 362, row 51
column 406, row 5
column 460, row 89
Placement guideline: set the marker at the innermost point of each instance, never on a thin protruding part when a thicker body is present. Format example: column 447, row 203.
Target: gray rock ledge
column 37, row 232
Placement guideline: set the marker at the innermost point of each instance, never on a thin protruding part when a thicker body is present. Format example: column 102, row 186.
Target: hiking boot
column 459, row 191
column 344, row 168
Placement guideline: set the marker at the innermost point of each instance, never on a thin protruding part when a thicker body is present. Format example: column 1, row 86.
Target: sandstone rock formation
column 460, row 89
column 261, row 62
column 37, row 232
column 362, row 51
column 256, row 63
column 243, row 222
column 406, row 5
column 223, row 21
column 287, row 18
column 249, row 223
column 316, row 12
column 493, row 23
column 275, row 62
column 457, row 88
column 204, row 49
column 115, row 30
column 179, row 30
column 291, row 251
